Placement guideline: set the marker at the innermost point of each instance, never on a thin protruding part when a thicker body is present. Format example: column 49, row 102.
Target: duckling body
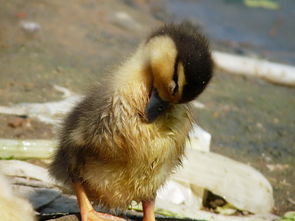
column 128, row 135
column 127, row 159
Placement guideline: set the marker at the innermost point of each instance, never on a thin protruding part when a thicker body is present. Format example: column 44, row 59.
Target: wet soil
column 79, row 42
column 24, row 128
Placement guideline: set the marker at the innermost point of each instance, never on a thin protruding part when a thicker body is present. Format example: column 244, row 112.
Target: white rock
column 124, row 20
column 199, row 139
column 48, row 112
column 30, row 26
column 239, row 184
column 17, row 168
column 273, row 72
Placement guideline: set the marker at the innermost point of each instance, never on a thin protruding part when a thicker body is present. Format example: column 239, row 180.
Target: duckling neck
column 132, row 80
column 135, row 71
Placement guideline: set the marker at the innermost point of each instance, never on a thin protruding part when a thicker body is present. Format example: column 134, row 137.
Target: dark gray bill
column 155, row 107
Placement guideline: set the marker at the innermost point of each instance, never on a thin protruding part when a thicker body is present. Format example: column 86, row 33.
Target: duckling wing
column 81, row 129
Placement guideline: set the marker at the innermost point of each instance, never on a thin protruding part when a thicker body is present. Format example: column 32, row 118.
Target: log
column 273, row 72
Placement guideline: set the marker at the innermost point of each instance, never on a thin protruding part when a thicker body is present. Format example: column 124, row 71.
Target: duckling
column 128, row 135
column 12, row 207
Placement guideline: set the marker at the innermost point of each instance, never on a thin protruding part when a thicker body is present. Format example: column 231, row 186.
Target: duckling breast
column 146, row 154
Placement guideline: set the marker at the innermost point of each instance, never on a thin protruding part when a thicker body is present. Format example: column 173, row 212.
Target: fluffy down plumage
column 106, row 143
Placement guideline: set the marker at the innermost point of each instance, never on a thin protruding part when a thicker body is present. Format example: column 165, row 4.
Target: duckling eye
column 173, row 88
column 160, row 108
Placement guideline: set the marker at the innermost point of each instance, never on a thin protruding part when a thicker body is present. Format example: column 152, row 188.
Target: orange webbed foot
column 86, row 209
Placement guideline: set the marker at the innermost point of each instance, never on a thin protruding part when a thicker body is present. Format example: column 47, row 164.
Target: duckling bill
column 155, row 107
column 127, row 136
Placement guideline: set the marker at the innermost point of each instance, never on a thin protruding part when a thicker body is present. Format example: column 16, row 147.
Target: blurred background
column 74, row 43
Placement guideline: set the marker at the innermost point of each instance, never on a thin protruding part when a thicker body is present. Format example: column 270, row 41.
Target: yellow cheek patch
column 162, row 58
column 181, row 78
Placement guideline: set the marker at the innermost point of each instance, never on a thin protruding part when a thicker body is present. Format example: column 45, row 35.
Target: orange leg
column 148, row 210
column 86, row 209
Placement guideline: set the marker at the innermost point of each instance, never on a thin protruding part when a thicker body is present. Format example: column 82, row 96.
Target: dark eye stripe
column 175, row 75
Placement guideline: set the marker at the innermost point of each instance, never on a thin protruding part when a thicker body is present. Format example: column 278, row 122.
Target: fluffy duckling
column 12, row 207
column 128, row 135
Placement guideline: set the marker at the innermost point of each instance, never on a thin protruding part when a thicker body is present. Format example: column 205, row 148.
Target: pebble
column 125, row 21
column 62, row 204
column 38, row 197
column 30, row 26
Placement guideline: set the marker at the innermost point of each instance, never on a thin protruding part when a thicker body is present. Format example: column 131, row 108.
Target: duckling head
column 180, row 66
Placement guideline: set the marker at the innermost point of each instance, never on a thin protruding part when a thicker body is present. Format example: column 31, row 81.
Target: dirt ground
column 250, row 120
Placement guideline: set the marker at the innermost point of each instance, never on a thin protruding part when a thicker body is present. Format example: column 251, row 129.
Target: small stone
column 17, row 122
column 63, row 204
column 30, row 26
column 124, row 20
column 276, row 120
column 259, row 125
column 38, row 197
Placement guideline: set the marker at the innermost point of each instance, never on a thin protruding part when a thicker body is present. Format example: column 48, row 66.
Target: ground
column 250, row 120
